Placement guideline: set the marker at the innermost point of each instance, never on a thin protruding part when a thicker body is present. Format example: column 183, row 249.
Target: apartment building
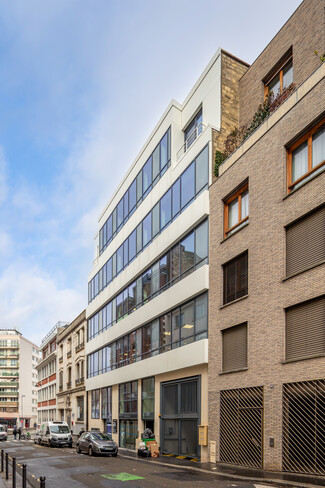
column 47, row 375
column 267, row 264
column 18, row 379
column 147, row 344
column 71, row 394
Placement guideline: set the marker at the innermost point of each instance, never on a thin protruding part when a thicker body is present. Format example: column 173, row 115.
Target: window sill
column 233, row 371
column 234, row 301
column 245, row 224
column 303, row 271
column 313, row 356
column 312, row 177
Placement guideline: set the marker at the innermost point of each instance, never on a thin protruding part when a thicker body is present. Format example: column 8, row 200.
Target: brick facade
column 305, row 32
column 262, row 161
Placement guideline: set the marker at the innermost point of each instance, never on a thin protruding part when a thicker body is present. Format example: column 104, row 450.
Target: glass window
column 139, row 290
column 119, row 306
column 148, row 398
column 107, row 403
column 175, row 328
column 120, row 214
column 201, row 314
column 155, row 163
column 146, row 341
column 126, row 205
column 126, row 252
column 114, row 264
column 236, row 210
column 202, row 169
column 147, row 176
column 165, row 209
column 176, row 197
column 155, row 220
column 146, row 285
column 109, row 228
column 287, row 75
column 146, row 230
column 193, row 129
column 119, row 259
column 201, row 242
column 132, row 196
column 318, row 147
column 187, row 253
column 300, row 161
column 119, row 352
column 175, row 262
column 139, row 238
column 139, row 187
column 125, row 301
column 163, row 151
column 114, row 220
column 132, row 245
column 132, row 347
column 109, row 270
column 95, row 398
column 132, row 296
column 109, row 314
column 155, row 337
column 155, row 278
column 165, row 332
column 187, row 323
column 187, row 185
column 164, row 270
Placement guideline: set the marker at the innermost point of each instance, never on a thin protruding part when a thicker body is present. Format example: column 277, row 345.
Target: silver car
column 97, row 443
column 3, row 433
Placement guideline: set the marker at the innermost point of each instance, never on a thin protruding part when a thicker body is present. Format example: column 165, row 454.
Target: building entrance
column 180, row 407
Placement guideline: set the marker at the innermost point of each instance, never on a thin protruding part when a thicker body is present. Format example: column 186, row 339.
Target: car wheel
column 90, row 451
column 78, row 449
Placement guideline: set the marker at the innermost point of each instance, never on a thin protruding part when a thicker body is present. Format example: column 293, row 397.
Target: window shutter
column 234, row 345
column 236, row 278
column 305, row 329
column 306, row 242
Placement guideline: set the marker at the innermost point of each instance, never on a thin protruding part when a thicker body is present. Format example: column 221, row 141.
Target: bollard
column 2, row 456
column 13, row 472
column 24, row 476
column 7, row 467
column 42, row 482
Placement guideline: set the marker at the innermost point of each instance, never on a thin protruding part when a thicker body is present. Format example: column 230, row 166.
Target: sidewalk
column 280, row 479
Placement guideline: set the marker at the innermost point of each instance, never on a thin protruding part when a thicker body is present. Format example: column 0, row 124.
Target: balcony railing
column 68, row 354
column 191, row 137
column 80, row 381
column 68, row 384
column 61, row 359
column 80, row 346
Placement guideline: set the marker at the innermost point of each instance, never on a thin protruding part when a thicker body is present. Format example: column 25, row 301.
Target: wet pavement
column 64, row 468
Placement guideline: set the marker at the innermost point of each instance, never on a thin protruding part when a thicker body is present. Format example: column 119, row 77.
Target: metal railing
column 69, row 354
column 80, row 346
column 79, row 381
column 69, row 384
column 16, row 468
column 191, row 137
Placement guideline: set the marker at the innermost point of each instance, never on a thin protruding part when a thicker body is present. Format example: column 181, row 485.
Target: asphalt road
column 64, row 468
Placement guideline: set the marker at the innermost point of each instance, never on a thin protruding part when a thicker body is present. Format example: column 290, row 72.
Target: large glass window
column 107, row 403
column 155, row 220
column 176, row 197
column 95, row 398
column 148, row 399
column 187, row 185
column 128, row 401
column 193, row 129
column 132, row 245
column 165, row 209
column 147, row 176
column 187, row 253
column 146, row 285
column 202, row 169
column 187, row 323
column 146, row 230
column 132, row 196
column 282, row 79
column 236, row 210
column 165, row 332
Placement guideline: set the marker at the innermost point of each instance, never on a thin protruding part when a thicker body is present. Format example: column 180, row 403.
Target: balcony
column 68, row 385
column 68, row 354
column 9, row 383
column 191, row 137
column 6, row 374
column 80, row 381
column 80, row 346
column 8, row 393
column 61, row 359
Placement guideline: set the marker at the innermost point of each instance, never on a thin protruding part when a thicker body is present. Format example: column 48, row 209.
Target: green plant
column 219, row 158
column 320, row 56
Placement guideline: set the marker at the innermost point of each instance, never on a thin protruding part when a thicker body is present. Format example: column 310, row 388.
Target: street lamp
column 22, row 408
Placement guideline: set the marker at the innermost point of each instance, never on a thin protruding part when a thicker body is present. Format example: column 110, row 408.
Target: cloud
column 33, row 302
column 3, row 177
column 6, row 244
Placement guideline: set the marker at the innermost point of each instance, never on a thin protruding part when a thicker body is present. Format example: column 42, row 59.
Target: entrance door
column 180, row 407
column 128, row 433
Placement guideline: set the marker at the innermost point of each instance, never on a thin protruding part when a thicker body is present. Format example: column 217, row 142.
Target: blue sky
column 82, row 84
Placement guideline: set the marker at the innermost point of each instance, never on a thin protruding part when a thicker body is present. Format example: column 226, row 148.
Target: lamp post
column 22, row 408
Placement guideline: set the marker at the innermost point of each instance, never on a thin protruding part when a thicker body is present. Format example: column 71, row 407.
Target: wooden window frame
column 238, row 195
column 278, row 71
column 308, row 136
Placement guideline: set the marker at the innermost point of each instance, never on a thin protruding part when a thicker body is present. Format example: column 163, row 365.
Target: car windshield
column 59, row 429
column 99, row 436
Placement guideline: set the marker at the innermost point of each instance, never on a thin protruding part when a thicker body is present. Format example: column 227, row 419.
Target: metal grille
column 241, row 426
column 304, row 427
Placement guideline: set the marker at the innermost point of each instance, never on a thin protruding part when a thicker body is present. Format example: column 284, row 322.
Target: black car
column 97, row 443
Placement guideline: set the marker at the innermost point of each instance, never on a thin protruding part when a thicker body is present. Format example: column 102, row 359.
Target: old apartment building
column 147, row 343
column 267, row 265
column 71, row 402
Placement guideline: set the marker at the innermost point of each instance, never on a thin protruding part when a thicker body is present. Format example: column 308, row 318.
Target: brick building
column 267, row 265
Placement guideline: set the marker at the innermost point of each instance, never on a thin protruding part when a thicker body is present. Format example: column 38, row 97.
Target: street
column 64, row 468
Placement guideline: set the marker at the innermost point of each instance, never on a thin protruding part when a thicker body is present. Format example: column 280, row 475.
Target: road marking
column 122, row 477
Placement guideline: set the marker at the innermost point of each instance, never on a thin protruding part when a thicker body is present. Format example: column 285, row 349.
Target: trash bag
column 144, row 453
column 147, row 434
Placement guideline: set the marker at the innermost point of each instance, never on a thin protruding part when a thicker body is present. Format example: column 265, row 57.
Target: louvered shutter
column 234, row 345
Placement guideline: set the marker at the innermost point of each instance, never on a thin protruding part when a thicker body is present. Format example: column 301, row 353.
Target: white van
column 54, row 434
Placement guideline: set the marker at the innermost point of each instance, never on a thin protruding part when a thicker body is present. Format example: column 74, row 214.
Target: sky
column 82, row 85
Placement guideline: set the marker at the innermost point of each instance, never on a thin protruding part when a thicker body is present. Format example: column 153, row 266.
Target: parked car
column 54, row 434
column 97, row 443
column 3, row 433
